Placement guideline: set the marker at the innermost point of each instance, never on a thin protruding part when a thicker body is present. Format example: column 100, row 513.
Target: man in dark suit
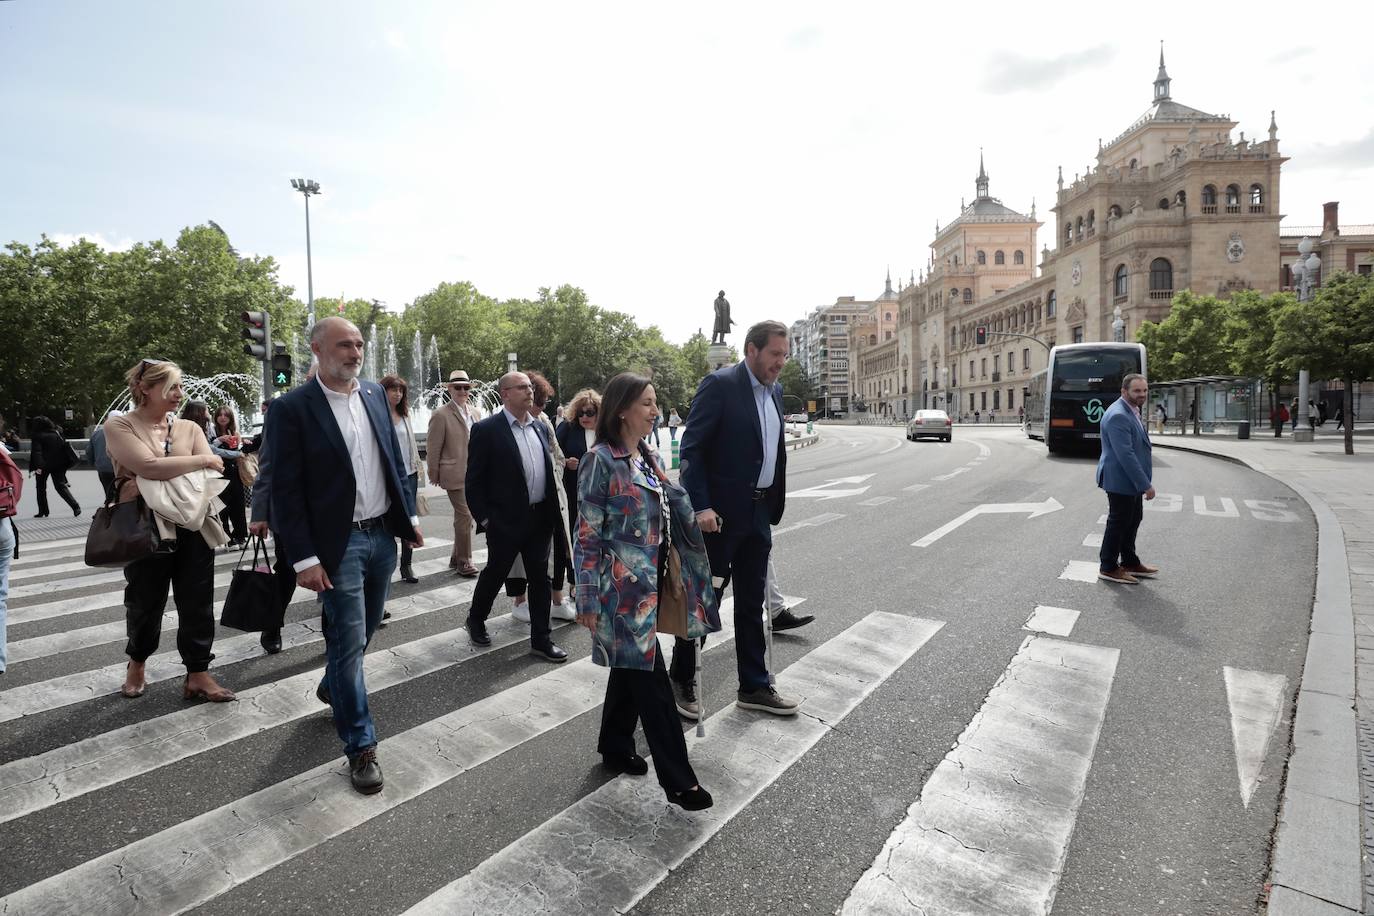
column 511, row 492
column 734, row 469
column 338, row 505
column 1124, row 471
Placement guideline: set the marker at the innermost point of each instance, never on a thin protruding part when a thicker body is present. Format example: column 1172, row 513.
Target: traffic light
column 258, row 334
column 980, row 334
column 281, row 366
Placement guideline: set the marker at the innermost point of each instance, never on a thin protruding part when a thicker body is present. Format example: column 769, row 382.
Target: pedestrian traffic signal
column 281, row 366
column 258, row 334
column 981, row 334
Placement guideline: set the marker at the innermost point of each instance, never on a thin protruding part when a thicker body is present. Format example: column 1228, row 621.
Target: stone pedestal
column 1303, row 434
column 718, row 355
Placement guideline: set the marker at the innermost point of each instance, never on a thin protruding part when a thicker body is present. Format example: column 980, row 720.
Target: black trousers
column 646, row 696
column 739, row 558
column 189, row 571
column 530, row 542
column 1124, row 513
column 59, row 482
column 234, row 517
column 515, row 586
column 107, row 482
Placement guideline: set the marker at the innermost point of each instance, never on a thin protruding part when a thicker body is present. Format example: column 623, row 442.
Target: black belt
column 760, row 494
column 369, row 523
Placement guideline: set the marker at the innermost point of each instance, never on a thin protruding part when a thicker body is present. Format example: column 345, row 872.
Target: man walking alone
column 1124, row 471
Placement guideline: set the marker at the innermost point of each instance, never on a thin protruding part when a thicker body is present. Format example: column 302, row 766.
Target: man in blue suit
column 1124, row 471
column 338, row 505
column 734, row 468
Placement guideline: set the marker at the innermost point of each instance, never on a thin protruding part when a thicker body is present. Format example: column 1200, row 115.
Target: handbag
column 121, row 533
column 421, row 504
column 254, row 602
column 672, row 597
column 248, row 469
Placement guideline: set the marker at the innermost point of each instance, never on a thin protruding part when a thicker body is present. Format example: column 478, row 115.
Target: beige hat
column 458, row 375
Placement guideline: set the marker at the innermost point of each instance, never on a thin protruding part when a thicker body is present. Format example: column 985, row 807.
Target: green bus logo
column 1094, row 411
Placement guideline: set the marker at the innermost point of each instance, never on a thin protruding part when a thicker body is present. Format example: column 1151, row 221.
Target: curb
column 1316, row 864
column 802, row 442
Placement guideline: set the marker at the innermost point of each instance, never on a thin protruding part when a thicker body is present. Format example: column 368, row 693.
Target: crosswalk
column 1030, row 745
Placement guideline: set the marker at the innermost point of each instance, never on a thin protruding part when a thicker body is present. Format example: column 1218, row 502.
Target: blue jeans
column 352, row 610
column 6, row 554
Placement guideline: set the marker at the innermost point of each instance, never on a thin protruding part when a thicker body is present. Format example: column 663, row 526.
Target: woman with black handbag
column 149, row 442
column 51, row 456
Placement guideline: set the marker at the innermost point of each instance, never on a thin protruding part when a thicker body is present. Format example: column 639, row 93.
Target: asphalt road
column 1129, row 762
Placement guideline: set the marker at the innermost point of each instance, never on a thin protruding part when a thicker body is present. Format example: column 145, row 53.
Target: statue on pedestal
column 723, row 320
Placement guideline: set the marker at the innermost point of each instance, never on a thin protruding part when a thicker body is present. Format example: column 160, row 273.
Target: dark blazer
column 312, row 485
column 572, row 440
column 496, row 491
column 50, row 452
column 722, row 449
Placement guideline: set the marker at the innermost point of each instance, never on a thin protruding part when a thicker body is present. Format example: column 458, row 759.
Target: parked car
column 932, row 423
column 795, row 418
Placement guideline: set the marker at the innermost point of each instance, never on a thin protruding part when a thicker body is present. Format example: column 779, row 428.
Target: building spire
column 982, row 182
column 1162, row 78
column 888, row 288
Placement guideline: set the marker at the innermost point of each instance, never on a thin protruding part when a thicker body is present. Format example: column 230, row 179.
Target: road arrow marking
column 826, row 490
column 1035, row 509
column 916, row 487
column 877, row 500
column 1256, row 701
column 814, row 521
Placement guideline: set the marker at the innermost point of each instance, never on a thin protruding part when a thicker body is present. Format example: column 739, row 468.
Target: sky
column 651, row 154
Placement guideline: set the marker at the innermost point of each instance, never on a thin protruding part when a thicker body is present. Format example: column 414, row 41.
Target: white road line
column 54, row 693
column 1093, row 539
column 991, row 828
column 814, row 521
column 954, row 473
column 35, row 783
column 27, row 550
column 196, row 860
column 85, row 637
column 1080, row 571
column 983, row 450
column 1057, row 621
column 877, row 501
column 1102, row 519
column 1256, row 702
column 916, row 487
column 891, row 448
column 1034, row 510
column 604, row 853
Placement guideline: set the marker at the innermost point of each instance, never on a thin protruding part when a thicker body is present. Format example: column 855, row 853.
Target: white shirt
column 589, row 436
column 771, row 425
column 406, row 438
column 531, row 453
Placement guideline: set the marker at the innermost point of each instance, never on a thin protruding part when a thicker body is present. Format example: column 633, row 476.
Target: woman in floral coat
column 628, row 512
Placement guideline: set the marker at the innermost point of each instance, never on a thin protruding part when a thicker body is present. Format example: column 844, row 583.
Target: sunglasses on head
column 587, row 412
column 143, row 365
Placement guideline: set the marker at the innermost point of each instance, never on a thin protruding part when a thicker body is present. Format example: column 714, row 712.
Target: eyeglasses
column 457, row 387
column 143, row 365
column 524, row 387
column 591, row 412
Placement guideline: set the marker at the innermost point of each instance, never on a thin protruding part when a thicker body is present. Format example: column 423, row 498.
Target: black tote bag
column 253, row 603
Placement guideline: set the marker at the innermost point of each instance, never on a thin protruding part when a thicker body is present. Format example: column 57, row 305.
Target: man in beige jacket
column 446, row 454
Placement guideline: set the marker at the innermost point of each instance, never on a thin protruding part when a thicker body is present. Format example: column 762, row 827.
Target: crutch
column 701, row 694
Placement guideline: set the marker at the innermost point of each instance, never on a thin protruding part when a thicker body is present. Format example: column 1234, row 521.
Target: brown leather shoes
column 1142, row 570
column 1118, row 576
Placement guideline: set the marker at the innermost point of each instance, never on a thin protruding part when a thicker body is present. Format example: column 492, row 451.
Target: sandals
column 467, row 571
column 216, row 694
column 128, row 690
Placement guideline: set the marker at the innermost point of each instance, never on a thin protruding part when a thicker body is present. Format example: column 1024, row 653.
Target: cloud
column 67, row 239
column 396, row 40
column 1014, row 72
column 1291, row 54
column 1358, row 153
column 804, row 38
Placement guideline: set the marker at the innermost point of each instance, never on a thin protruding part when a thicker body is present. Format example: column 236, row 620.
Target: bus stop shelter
column 1209, row 404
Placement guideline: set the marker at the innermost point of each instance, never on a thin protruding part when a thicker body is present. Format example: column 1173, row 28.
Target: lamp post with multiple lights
column 307, row 187
column 1307, row 272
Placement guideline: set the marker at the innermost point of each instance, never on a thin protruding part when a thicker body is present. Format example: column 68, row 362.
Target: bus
column 1065, row 402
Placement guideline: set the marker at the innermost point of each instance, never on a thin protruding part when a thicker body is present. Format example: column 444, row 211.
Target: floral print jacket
column 615, row 556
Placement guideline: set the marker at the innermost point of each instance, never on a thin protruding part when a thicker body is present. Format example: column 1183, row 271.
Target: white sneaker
column 521, row 612
column 564, row 610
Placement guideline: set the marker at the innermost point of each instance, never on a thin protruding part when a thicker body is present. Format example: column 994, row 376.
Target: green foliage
column 1250, row 326
column 1191, row 341
column 795, row 384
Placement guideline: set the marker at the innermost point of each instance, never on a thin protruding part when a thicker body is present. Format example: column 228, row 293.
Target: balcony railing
column 997, row 376
column 1165, row 294
column 1257, row 208
column 1233, row 208
column 1209, row 209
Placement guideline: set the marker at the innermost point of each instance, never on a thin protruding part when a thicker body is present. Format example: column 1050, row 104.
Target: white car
column 933, row 423
column 795, row 418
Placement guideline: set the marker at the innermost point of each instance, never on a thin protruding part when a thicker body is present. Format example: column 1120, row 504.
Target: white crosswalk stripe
column 190, row 860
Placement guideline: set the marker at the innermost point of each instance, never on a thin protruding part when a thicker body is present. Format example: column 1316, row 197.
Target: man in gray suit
column 446, row 454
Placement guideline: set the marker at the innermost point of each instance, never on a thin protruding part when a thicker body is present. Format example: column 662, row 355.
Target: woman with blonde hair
column 149, row 443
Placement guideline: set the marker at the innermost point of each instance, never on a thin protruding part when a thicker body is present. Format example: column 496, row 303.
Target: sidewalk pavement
column 1326, row 817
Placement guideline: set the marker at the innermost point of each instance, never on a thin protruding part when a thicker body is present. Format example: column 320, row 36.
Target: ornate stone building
column 1173, row 202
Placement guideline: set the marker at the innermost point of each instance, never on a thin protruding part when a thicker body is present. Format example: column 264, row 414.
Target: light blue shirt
column 531, row 452
column 770, row 422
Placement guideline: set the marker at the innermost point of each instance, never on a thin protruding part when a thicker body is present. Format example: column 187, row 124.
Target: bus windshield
column 1094, row 371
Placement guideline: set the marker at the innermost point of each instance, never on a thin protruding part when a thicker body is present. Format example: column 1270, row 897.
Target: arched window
column 999, row 258
column 1019, row 257
column 887, row 316
column 1133, row 165
column 1092, row 218
column 1120, row 282
column 968, row 295
column 1114, row 211
column 1232, row 195
column 1049, row 304
column 953, row 337
column 1164, row 203
column 1209, row 195
column 982, row 258
column 1161, row 276
column 1256, row 199
column 1181, row 198
column 872, row 339
column 953, row 295
column 1078, row 229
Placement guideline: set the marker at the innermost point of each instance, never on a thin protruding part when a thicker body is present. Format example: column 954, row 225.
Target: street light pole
column 307, row 187
column 1305, row 271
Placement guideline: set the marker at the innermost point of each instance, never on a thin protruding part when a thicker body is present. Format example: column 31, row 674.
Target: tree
column 1249, row 332
column 1332, row 335
column 1190, row 342
column 795, row 384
